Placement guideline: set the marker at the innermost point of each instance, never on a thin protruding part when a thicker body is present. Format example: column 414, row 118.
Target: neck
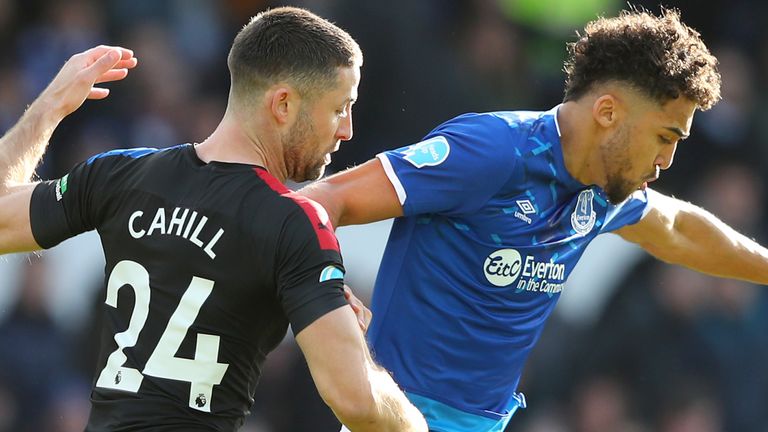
column 580, row 144
column 235, row 143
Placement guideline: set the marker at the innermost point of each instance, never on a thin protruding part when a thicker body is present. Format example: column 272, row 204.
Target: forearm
column 24, row 145
column 356, row 196
column 708, row 245
column 22, row 148
column 361, row 394
column 391, row 410
column 401, row 413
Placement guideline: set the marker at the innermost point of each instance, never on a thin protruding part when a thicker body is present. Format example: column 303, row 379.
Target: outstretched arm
column 358, row 195
column 24, row 145
column 361, row 394
column 681, row 233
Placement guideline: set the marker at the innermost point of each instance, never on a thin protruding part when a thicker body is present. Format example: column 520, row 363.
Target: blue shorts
column 443, row 418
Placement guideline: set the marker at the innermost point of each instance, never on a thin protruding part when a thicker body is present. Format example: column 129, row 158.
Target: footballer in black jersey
column 209, row 257
column 207, row 264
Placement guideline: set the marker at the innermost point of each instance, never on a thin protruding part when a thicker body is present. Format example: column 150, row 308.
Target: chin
column 616, row 197
column 312, row 174
column 318, row 175
column 619, row 189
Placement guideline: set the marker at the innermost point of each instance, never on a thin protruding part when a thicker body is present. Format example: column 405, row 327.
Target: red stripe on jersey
column 315, row 212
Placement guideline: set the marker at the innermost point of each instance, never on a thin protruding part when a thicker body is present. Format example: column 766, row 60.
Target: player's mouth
column 327, row 158
column 651, row 178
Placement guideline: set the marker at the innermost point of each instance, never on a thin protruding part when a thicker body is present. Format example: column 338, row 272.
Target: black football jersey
column 206, row 266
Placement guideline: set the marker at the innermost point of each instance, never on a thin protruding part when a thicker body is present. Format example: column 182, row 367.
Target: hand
column 363, row 314
column 75, row 81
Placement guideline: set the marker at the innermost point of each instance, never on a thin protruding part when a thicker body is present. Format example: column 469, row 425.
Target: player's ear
column 604, row 110
column 283, row 103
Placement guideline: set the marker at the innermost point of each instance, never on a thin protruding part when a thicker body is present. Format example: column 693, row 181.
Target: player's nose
column 666, row 156
column 345, row 132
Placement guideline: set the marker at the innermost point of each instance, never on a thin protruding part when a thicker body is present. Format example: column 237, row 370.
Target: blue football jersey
column 493, row 225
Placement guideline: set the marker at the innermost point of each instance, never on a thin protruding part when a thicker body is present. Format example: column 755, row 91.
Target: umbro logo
column 527, row 208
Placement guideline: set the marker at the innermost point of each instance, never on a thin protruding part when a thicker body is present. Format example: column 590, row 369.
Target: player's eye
column 664, row 140
column 344, row 111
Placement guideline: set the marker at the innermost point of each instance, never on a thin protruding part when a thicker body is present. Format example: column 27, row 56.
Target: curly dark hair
column 660, row 56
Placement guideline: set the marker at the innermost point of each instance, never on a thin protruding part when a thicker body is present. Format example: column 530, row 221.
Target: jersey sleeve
column 63, row 208
column 630, row 211
column 309, row 271
column 455, row 169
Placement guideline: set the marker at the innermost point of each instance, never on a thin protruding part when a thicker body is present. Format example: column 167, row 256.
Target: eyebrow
column 679, row 132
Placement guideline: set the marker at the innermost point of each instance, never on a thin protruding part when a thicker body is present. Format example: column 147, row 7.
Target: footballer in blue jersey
column 493, row 211
column 492, row 226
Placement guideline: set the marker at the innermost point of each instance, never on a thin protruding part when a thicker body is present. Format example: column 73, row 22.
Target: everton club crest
column 583, row 217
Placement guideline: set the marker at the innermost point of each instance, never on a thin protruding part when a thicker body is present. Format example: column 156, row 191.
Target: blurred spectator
column 69, row 410
column 287, row 399
column 8, row 408
column 65, row 28
column 545, row 419
column 647, row 335
column 733, row 331
column 162, row 107
column 12, row 101
column 601, row 404
column 734, row 192
column 34, row 360
column 688, row 407
column 729, row 123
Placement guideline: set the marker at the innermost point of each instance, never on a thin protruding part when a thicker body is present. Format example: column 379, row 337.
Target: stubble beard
column 615, row 159
column 300, row 151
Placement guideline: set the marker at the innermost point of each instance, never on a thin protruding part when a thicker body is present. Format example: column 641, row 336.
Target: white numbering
column 203, row 372
column 115, row 375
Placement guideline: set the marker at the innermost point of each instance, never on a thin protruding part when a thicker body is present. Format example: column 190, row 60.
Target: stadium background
column 635, row 345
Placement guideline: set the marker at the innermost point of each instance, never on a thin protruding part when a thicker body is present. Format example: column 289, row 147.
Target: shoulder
column 127, row 154
column 301, row 216
column 153, row 161
column 499, row 129
column 495, row 121
column 311, row 218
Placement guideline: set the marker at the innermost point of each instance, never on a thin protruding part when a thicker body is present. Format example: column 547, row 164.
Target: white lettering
column 135, row 234
column 540, row 270
column 199, row 228
column 522, row 217
column 209, row 247
column 189, row 224
column 549, row 287
column 177, row 221
column 158, row 222
column 433, row 152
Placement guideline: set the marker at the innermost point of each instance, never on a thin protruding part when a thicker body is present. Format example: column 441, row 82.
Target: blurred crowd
column 669, row 351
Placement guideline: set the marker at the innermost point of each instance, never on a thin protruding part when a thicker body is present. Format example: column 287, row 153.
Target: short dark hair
column 293, row 45
column 660, row 56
